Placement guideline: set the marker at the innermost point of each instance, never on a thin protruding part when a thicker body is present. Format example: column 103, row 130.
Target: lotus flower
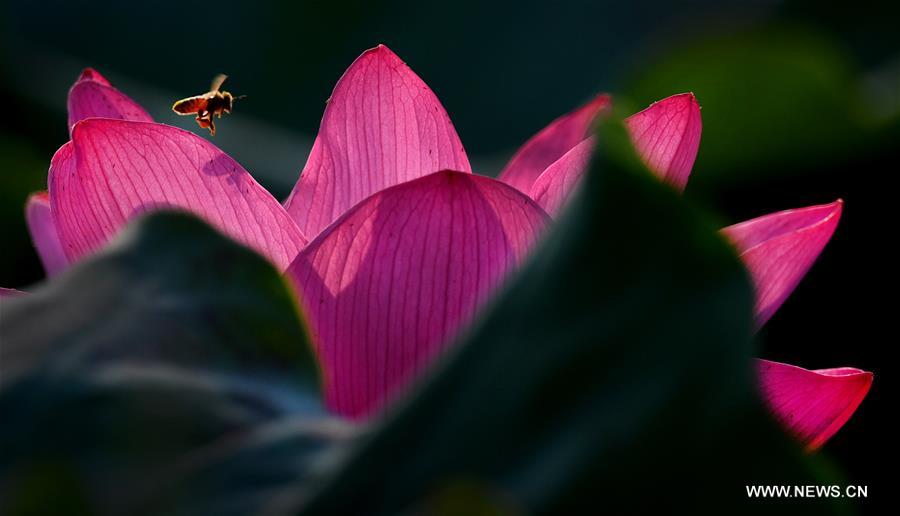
column 393, row 244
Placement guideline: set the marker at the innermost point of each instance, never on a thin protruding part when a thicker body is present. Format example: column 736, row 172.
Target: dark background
column 801, row 105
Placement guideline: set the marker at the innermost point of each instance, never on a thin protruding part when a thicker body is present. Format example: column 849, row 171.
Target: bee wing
column 217, row 82
column 190, row 105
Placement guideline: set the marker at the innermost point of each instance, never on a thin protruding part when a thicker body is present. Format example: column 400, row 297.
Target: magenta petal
column 9, row 292
column 547, row 146
column 382, row 126
column 89, row 74
column 778, row 249
column 813, row 405
column 553, row 187
column 667, row 135
column 92, row 96
column 114, row 170
column 392, row 280
column 43, row 233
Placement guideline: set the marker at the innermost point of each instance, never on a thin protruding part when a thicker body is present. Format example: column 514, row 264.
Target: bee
column 213, row 102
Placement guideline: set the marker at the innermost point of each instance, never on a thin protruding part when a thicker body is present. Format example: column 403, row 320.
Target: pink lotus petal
column 114, row 170
column 547, row 146
column 9, row 292
column 778, row 249
column 553, row 187
column 392, row 280
column 667, row 135
column 382, row 126
column 93, row 96
column 89, row 74
column 43, row 233
column 813, row 405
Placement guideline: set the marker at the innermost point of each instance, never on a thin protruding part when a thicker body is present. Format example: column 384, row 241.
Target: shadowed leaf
column 137, row 367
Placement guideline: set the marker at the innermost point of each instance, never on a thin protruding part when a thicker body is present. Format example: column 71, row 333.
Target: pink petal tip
column 92, row 96
column 551, row 143
column 667, row 136
column 812, row 404
column 382, row 126
column 90, row 74
column 778, row 250
column 9, row 292
column 553, row 188
column 44, row 235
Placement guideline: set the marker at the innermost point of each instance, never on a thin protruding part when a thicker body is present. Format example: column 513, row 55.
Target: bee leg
column 205, row 121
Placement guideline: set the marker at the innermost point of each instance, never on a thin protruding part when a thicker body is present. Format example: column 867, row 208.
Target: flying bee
column 213, row 102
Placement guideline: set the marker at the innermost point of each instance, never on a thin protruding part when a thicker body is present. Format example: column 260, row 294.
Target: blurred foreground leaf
column 613, row 376
column 774, row 102
column 126, row 375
